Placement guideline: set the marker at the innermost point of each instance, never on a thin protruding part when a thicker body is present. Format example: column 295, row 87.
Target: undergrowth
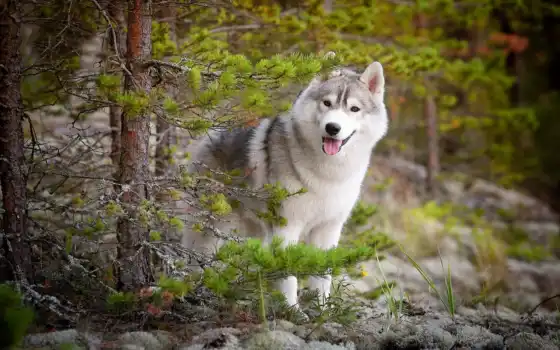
column 15, row 317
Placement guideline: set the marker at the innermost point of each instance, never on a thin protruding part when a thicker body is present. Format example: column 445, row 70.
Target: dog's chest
column 325, row 204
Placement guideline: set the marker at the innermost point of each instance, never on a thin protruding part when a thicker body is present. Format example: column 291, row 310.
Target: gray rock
column 406, row 335
column 529, row 341
column 132, row 347
column 165, row 338
column 140, row 340
column 333, row 333
column 220, row 338
column 283, row 325
column 279, row 340
column 58, row 338
column 475, row 337
column 321, row 345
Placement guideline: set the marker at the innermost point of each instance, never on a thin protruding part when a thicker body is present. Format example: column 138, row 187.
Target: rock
column 282, row 325
column 220, row 338
column 274, row 340
column 140, row 340
column 132, row 347
column 329, row 332
column 165, row 338
column 463, row 272
column 408, row 336
column 475, row 337
column 529, row 341
column 61, row 338
column 321, row 345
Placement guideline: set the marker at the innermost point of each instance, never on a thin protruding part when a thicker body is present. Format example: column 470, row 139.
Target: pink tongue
column 331, row 146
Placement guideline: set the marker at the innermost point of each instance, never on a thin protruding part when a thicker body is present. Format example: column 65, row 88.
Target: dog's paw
column 296, row 315
column 300, row 317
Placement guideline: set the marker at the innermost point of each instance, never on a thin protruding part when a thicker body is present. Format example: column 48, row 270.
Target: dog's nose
column 332, row 128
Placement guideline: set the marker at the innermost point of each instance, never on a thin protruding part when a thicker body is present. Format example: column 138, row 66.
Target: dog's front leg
column 288, row 286
column 325, row 236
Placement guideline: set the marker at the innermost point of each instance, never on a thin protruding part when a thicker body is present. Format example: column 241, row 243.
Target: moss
column 528, row 252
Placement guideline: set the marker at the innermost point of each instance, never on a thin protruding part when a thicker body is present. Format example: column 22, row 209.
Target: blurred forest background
column 100, row 99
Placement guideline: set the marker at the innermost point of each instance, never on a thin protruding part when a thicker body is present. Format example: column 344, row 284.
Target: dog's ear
column 374, row 79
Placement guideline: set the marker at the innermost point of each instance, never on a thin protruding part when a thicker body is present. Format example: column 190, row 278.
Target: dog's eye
column 327, row 103
column 355, row 109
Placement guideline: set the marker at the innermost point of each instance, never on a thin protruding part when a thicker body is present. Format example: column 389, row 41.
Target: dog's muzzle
column 333, row 146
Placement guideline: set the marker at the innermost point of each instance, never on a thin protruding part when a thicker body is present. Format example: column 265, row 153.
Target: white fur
column 333, row 183
column 347, row 123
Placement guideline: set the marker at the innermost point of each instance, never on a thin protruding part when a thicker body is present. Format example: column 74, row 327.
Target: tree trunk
column 432, row 170
column 15, row 258
column 163, row 129
column 430, row 118
column 134, row 270
column 328, row 5
column 116, row 14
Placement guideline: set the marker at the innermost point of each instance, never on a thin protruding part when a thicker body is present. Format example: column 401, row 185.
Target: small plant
column 251, row 266
column 395, row 305
column 447, row 297
column 15, row 318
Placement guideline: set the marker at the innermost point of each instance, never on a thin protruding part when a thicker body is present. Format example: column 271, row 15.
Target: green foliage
column 251, row 266
column 173, row 286
column 15, row 318
column 162, row 44
column 277, row 194
column 529, row 252
column 121, row 301
column 362, row 213
column 217, row 204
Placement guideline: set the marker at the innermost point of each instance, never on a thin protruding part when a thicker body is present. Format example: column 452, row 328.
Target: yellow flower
column 363, row 271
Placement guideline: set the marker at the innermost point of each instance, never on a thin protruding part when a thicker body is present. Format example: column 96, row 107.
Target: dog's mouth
column 333, row 146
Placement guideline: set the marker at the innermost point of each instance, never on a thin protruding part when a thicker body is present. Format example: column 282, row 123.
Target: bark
column 116, row 13
column 15, row 258
column 163, row 129
column 134, row 270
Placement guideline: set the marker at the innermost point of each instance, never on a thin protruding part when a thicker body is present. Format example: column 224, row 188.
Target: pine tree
column 116, row 49
column 133, row 269
column 15, row 263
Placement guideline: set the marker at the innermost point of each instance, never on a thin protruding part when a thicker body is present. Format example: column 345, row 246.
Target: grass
column 447, row 297
column 395, row 305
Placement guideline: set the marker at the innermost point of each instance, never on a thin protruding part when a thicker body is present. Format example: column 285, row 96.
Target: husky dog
column 323, row 144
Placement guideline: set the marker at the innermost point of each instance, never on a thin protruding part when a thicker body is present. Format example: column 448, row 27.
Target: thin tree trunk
column 328, row 5
column 116, row 13
column 134, row 269
column 430, row 118
column 15, row 258
column 433, row 168
column 163, row 129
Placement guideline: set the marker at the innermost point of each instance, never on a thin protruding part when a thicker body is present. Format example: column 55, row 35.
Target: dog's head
column 344, row 106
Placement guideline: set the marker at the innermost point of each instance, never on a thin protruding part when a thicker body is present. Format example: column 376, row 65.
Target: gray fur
column 230, row 148
column 290, row 149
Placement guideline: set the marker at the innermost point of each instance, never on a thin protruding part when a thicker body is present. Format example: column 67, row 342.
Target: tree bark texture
column 116, row 14
column 15, row 259
column 134, row 269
